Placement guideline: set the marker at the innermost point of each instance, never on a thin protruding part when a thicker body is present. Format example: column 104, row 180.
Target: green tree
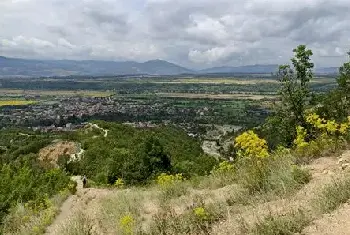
column 295, row 96
column 155, row 157
column 344, row 82
column 336, row 103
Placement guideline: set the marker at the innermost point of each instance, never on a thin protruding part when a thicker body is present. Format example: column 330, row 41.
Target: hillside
column 99, row 210
column 257, row 69
column 23, row 67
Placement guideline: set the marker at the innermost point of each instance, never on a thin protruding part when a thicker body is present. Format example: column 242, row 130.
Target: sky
column 192, row 33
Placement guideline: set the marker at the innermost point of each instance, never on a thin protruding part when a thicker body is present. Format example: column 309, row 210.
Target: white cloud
column 193, row 33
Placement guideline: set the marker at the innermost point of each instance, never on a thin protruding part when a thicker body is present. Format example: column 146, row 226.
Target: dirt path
column 100, row 128
column 335, row 223
column 83, row 200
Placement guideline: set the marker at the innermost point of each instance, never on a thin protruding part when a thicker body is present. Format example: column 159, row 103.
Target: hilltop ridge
column 32, row 68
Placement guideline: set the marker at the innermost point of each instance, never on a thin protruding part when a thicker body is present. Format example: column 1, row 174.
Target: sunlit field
column 16, row 102
column 69, row 93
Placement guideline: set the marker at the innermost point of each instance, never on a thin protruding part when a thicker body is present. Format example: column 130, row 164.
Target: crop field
column 67, row 93
column 16, row 102
column 241, row 96
column 218, row 81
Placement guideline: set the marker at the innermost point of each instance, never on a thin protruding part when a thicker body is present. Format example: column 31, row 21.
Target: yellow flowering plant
column 300, row 139
column 127, row 224
column 250, row 145
column 327, row 126
column 201, row 213
column 164, row 180
column 223, row 167
column 119, row 183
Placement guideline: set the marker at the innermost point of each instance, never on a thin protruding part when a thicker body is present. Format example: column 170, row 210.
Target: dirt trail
column 83, row 200
column 335, row 223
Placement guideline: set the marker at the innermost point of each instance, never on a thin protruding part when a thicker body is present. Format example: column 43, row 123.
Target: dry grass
column 333, row 195
column 79, row 225
column 290, row 223
column 26, row 221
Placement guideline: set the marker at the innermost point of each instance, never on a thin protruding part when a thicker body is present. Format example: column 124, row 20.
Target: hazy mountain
column 32, row 68
column 243, row 69
column 327, row 70
column 11, row 66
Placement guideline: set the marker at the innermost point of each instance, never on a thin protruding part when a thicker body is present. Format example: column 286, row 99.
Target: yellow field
column 216, row 96
column 16, row 102
column 84, row 93
column 219, row 81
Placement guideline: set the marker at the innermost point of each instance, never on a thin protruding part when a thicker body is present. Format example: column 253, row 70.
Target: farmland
column 16, row 102
column 53, row 93
column 241, row 101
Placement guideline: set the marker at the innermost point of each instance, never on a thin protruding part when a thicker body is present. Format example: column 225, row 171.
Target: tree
column 344, row 82
column 155, row 156
column 295, row 96
column 336, row 103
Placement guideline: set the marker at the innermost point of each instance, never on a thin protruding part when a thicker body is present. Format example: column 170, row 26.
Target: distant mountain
column 37, row 68
column 23, row 67
column 270, row 68
column 327, row 70
column 262, row 69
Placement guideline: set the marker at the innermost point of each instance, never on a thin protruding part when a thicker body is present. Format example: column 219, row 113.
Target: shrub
column 197, row 220
column 250, row 145
column 164, row 180
column 224, row 167
column 171, row 185
column 291, row 223
column 119, row 183
column 127, row 224
column 276, row 174
column 333, row 195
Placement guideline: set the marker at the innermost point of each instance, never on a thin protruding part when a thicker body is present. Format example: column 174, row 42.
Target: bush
column 333, row 195
column 197, row 220
column 277, row 174
column 171, row 185
column 291, row 223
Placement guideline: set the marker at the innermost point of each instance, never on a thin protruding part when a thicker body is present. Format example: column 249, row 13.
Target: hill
column 38, row 68
column 264, row 69
column 24, row 67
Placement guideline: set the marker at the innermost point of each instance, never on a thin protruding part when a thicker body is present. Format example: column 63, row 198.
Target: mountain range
column 35, row 68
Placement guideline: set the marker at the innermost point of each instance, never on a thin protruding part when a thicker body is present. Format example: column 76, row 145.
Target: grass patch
column 126, row 205
column 25, row 220
column 80, row 225
column 277, row 174
column 291, row 223
column 333, row 195
column 198, row 219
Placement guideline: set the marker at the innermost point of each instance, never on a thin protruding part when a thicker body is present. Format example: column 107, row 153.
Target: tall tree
column 295, row 96
column 295, row 92
column 344, row 82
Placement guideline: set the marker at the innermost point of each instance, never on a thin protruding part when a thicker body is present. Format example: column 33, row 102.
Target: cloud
column 197, row 33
